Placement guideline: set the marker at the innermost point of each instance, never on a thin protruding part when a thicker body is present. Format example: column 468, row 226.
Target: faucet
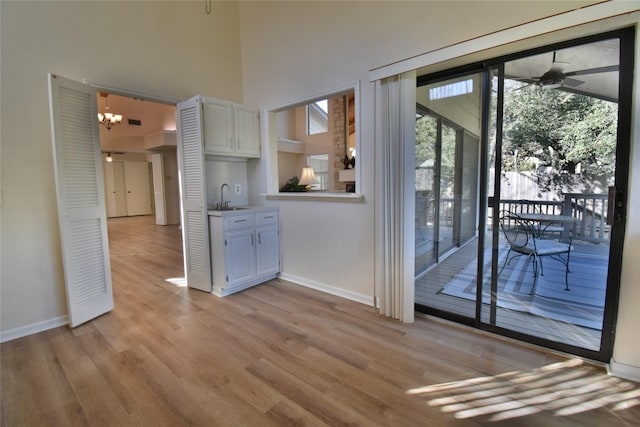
column 222, row 203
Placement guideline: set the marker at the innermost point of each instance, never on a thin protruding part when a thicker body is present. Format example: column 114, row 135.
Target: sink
column 229, row 208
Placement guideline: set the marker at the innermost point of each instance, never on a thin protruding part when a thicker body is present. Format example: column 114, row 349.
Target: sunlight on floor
column 564, row 388
column 178, row 281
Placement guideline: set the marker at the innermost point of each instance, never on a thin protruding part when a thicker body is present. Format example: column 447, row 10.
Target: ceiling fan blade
column 572, row 82
column 525, row 86
column 597, row 70
column 524, row 79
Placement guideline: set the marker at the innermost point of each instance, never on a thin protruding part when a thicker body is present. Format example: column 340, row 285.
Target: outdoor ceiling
column 577, row 58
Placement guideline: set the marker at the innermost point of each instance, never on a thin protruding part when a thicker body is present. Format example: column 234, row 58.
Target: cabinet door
column 267, row 250
column 218, row 128
column 240, row 262
column 247, row 129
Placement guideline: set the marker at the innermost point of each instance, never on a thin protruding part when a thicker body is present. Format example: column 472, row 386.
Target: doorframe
column 101, row 87
column 627, row 37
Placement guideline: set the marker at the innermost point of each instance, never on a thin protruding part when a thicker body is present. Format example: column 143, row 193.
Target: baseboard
column 622, row 370
column 34, row 328
column 353, row 296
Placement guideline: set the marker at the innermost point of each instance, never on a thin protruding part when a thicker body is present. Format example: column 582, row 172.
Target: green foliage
column 426, row 130
column 559, row 129
column 292, row 186
column 426, row 136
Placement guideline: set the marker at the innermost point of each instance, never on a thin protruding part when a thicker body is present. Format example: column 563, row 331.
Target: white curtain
column 395, row 109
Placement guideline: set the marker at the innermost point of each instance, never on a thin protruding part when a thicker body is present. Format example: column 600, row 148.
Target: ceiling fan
column 555, row 77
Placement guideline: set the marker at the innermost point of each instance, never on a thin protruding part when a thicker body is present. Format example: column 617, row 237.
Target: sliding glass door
column 518, row 169
column 447, row 153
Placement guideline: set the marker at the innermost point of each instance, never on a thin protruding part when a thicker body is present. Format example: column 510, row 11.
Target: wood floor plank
column 283, row 355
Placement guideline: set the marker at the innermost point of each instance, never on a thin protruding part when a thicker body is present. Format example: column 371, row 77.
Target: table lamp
column 307, row 178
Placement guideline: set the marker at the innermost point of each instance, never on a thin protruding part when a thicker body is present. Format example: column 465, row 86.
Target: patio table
column 548, row 219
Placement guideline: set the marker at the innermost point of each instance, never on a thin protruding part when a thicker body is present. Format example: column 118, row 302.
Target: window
column 320, row 165
column 330, row 153
column 452, row 89
column 317, row 117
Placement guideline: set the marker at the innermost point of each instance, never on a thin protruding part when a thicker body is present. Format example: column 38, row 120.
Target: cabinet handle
column 252, row 240
column 238, row 144
column 237, row 221
column 259, row 238
column 268, row 217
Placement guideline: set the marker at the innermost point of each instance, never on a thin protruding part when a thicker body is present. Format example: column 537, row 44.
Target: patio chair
column 522, row 240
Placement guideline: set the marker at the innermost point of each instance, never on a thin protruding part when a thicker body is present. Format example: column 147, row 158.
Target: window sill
column 318, row 197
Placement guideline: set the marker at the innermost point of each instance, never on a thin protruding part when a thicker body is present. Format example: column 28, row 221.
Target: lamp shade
column 308, row 176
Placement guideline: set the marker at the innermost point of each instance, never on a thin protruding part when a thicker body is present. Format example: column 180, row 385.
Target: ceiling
column 603, row 85
column 154, row 117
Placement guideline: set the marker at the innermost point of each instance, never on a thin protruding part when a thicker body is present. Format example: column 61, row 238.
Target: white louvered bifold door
column 81, row 201
column 195, row 229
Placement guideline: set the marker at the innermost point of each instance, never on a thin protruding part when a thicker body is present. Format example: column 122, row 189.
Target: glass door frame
column 456, row 208
column 625, row 105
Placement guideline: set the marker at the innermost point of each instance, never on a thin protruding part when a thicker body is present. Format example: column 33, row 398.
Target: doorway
column 80, row 196
column 139, row 158
column 552, row 163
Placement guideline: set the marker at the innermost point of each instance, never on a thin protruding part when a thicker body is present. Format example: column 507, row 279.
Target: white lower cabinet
column 245, row 249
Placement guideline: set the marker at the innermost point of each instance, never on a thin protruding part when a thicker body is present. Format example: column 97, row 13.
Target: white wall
column 294, row 51
column 626, row 354
column 167, row 49
column 233, row 173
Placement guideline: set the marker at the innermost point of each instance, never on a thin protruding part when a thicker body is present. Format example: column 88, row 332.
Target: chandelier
column 108, row 119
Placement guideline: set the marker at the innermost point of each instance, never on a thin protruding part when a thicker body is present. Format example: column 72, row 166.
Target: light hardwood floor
column 280, row 354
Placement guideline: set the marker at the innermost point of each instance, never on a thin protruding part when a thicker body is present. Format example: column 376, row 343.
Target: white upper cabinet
column 230, row 129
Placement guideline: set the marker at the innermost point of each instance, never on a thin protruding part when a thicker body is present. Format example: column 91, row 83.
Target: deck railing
column 590, row 211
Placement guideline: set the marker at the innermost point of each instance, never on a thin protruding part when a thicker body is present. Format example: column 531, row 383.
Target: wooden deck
column 429, row 284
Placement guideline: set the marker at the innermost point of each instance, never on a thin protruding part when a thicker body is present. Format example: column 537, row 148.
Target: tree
column 558, row 129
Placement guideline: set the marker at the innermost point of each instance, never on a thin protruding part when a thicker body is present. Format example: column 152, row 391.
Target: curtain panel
column 395, row 111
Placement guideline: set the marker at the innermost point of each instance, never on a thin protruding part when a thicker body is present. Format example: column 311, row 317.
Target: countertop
column 239, row 210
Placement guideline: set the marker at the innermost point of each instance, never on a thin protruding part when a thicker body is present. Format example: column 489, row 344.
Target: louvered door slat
column 194, row 196
column 81, row 203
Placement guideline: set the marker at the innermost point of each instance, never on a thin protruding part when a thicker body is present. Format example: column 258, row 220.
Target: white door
column 121, row 192
column 195, row 227
column 158, row 188
column 114, row 189
column 81, row 201
column 136, row 176
column 109, row 189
